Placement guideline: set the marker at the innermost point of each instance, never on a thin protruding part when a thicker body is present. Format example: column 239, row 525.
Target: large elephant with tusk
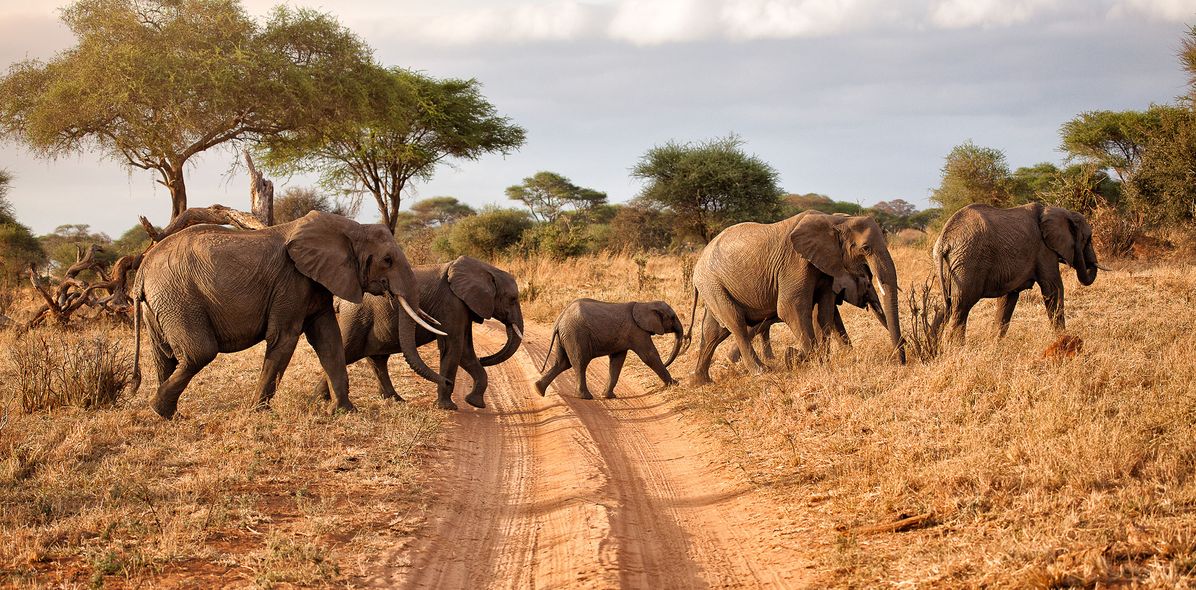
column 209, row 289
column 752, row 272
column 986, row 252
column 455, row 295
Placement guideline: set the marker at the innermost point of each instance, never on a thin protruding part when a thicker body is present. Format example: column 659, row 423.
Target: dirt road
column 559, row 492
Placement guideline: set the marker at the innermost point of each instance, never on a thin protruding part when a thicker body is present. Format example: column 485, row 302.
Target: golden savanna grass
column 1029, row 470
column 293, row 497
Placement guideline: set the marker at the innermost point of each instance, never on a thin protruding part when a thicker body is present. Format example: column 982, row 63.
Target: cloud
column 959, row 14
column 1165, row 10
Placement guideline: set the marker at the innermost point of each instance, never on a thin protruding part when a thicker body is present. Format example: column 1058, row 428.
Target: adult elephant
column 752, row 271
column 457, row 294
column 987, row 252
column 210, row 289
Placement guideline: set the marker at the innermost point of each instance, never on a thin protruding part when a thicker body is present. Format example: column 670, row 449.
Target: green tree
column 490, row 232
column 410, row 124
column 642, row 227
column 974, row 174
column 133, row 241
column 709, row 185
column 548, row 194
column 437, row 211
column 67, row 241
column 18, row 246
column 155, row 82
column 1163, row 189
column 793, row 204
column 1112, row 139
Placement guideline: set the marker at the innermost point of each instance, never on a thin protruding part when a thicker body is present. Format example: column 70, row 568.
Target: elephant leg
column 731, row 317
column 801, row 322
column 648, row 354
column 164, row 364
column 450, row 358
column 166, row 401
column 960, row 308
column 841, row 330
column 559, row 366
column 1052, row 297
column 1005, row 307
column 473, row 365
column 380, row 364
column 279, row 349
column 194, row 347
column 616, row 367
column 713, row 334
column 765, row 332
column 323, row 393
column 324, row 336
column 583, row 390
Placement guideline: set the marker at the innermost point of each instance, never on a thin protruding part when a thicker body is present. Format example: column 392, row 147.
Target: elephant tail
column 135, row 381
column 693, row 313
column 548, row 353
column 944, row 267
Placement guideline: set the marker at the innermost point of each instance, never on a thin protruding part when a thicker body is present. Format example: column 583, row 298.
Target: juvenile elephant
column 588, row 328
column 210, row 289
column 861, row 295
column 456, row 294
column 752, row 272
column 986, row 252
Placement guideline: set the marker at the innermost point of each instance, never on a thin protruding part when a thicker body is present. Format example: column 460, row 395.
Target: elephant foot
column 699, row 380
column 609, row 395
column 164, row 408
column 445, row 404
column 542, row 388
column 345, row 408
column 394, row 397
column 586, row 395
column 477, row 401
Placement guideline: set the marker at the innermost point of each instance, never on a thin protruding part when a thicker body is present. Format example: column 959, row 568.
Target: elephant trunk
column 514, row 338
column 885, row 272
column 680, row 337
column 1086, row 265
column 407, row 343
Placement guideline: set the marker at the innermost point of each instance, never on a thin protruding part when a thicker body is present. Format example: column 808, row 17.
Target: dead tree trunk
column 261, row 194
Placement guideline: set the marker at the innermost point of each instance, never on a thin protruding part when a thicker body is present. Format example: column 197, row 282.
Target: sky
column 860, row 100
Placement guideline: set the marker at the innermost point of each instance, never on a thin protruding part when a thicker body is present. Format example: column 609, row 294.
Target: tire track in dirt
column 558, row 491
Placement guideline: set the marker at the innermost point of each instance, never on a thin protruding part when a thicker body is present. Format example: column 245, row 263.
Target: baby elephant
column 589, row 328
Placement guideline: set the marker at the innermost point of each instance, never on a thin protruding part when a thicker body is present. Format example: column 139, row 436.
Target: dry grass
column 118, row 497
column 1077, row 469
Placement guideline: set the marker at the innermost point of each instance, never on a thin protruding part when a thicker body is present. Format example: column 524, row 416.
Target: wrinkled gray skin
column 210, row 289
column 986, row 252
column 588, row 328
column 863, row 296
column 752, row 272
column 457, row 294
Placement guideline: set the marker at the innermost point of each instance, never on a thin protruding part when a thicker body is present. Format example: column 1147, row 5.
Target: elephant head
column 657, row 317
column 845, row 248
column 1069, row 235
column 349, row 259
column 489, row 293
column 861, row 294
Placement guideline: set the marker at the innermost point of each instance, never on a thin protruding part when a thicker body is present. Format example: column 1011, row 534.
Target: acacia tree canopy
column 709, row 185
column 154, row 82
column 548, row 194
column 409, row 125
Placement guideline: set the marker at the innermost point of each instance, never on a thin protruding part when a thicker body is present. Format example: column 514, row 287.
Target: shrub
column 488, row 233
column 1114, row 233
column 86, row 371
column 555, row 240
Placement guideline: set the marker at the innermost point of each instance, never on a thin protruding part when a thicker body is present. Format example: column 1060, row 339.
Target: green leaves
column 548, row 194
column 709, row 185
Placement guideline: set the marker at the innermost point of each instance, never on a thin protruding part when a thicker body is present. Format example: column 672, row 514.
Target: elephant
column 588, row 328
column 987, row 252
column 456, row 294
column 210, row 289
column 752, row 272
column 862, row 295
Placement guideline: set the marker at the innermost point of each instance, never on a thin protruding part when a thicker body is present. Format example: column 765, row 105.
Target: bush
column 639, row 227
column 83, row 371
column 1114, row 233
column 486, row 234
column 555, row 240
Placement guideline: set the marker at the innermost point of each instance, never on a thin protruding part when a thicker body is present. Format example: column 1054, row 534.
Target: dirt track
column 559, row 492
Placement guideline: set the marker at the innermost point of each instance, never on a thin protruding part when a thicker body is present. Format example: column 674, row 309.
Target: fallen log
column 216, row 214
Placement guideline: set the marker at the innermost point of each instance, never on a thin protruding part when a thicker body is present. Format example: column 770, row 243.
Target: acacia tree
column 1112, row 139
column 411, row 123
column 709, row 185
column 19, row 248
column 974, row 174
column 547, row 194
column 436, row 211
column 155, row 82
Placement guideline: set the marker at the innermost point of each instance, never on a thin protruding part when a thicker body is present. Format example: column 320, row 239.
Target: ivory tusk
column 1103, row 267
column 431, row 320
column 414, row 316
column 880, row 288
column 518, row 332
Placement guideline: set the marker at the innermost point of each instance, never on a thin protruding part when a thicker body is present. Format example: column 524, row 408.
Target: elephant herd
column 349, row 288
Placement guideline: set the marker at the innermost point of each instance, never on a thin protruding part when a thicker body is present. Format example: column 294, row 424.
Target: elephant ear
column 1057, row 232
column 321, row 245
column 470, row 279
column 816, row 238
column 649, row 318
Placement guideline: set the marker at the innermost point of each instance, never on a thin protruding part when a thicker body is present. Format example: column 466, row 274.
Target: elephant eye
column 388, row 260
